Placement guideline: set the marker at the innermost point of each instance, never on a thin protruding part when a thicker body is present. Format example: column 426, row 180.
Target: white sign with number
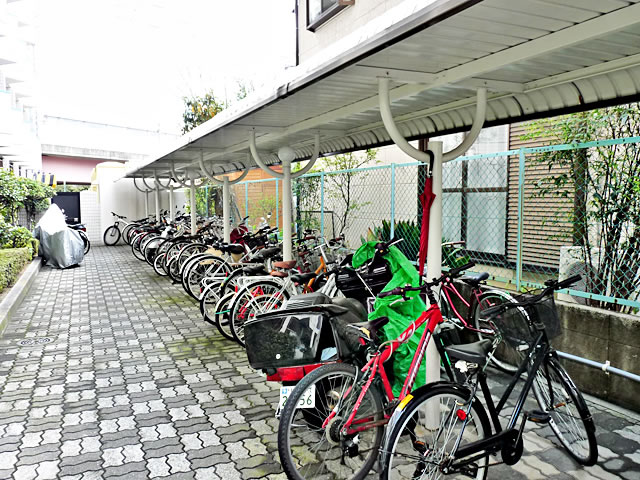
column 308, row 399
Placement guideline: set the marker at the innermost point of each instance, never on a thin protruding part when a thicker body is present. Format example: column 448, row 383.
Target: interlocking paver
column 135, row 384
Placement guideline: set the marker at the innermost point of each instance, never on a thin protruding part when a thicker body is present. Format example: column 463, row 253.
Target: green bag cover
column 401, row 313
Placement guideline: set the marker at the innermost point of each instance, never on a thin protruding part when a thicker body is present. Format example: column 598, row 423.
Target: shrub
column 12, row 261
column 17, row 237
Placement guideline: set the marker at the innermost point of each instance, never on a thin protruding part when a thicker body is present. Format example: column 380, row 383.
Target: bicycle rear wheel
column 571, row 420
column 425, row 434
column 85, row 240
column 308, row 451
column 258, row 297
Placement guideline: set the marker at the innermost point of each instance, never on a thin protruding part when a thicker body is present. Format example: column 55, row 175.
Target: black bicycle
column 444, row 429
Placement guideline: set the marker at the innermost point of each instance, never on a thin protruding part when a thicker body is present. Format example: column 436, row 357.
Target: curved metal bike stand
column 286, row 155
column 226, row 195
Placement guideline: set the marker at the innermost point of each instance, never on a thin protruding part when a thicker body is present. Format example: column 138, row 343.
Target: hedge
column 12, row 261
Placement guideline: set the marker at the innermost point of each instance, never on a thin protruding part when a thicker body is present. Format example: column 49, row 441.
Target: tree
column 12, row 193
column 36, row 198
column 198, row 110
column 604, row 185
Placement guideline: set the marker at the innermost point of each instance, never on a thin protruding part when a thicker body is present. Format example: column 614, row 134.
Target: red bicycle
column 332, row 424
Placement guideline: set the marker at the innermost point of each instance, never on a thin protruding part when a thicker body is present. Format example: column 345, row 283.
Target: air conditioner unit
column 573, row 262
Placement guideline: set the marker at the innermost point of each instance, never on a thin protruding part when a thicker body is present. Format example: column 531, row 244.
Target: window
column 475, row 197
column 319, row 11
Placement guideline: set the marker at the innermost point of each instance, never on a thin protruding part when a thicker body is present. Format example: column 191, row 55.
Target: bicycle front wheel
column 111, row 236
column 308, row 451
column 424, row 436
column 571, row 420
column 512, row 350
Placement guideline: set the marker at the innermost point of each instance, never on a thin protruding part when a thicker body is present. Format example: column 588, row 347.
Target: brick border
column 14, row 298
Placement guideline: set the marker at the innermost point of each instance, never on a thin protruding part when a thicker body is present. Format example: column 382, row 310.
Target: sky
column 131, row 62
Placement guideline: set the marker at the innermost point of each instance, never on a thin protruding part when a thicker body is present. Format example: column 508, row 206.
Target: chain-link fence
column 523, row 215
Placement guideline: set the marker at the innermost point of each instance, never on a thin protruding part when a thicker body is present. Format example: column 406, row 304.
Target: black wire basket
column 521, row 324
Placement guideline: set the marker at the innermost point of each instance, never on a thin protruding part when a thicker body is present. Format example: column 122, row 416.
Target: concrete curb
column 12, row 301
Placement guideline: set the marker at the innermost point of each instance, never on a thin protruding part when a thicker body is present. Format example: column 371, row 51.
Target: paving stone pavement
column 134, row 383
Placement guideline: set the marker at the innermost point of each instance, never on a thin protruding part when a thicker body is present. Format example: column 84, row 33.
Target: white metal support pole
column 146, row 204
column 226, row 209
column 172, row 207
column 287, row 218
column 192, row 199
column 156, row 194
column 434, row 252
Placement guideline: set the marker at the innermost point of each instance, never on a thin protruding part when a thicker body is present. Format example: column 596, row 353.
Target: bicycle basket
column 541, row 315
column 287, row 339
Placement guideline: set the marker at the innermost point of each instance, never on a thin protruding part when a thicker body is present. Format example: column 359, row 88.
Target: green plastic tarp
column 400, row 313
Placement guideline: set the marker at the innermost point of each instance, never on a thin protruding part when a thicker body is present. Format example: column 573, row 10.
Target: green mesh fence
column 524, row 215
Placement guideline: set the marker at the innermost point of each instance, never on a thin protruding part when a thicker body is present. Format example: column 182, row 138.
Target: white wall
column 346, row 21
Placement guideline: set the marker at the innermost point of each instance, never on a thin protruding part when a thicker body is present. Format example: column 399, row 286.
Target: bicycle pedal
column 538, row 416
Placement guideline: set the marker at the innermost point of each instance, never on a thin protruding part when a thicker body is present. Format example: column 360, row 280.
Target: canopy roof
column 537, row 58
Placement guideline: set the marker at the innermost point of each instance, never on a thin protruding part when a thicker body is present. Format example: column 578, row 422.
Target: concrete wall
column 601, row 335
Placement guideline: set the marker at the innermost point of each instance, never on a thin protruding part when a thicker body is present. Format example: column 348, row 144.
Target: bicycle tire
column 195, row 276
column 506, row 358
column 109, row 234
column 150, row 247
column 187, row 266
column 85, row 240
column 407, row 434
column 581, row 442
column 299, row 457
column 126, row 233
column 158, row 264
column 135, row 246
column 222, row 319
column 230, row 284
column 245, row 300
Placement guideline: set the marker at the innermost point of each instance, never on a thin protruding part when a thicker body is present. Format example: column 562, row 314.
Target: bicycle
column 506, row 358
column 460, row 440
column 112, row 234
column 339, row 431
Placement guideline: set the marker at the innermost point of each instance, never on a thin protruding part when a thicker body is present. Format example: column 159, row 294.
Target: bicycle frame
column 449, row 289
column 432, row 317
column 539, row 350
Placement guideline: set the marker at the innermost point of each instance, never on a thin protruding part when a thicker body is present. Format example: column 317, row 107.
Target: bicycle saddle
column 475, row 352
column 302, row 277
column 255, row 270
column 278, row 274
column 234, row 248
column 354, row 306
column 474, row 280
column 286, row 265
column 268, row 253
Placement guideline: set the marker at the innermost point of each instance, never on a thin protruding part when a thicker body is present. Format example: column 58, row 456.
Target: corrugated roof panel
column 535, row 56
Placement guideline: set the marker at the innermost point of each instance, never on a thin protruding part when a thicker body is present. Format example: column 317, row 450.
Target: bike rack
column 286, row 155
column 146, row 197
column 434, row 251
column 226, row 194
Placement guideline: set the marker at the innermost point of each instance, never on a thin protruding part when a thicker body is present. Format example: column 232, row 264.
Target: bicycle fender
column 414, row 396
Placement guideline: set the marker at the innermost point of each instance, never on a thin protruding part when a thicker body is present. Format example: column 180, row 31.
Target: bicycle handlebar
column 552, row 285
column 402, row 291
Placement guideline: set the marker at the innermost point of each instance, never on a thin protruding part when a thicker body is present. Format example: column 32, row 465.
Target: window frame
column 328, row 14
